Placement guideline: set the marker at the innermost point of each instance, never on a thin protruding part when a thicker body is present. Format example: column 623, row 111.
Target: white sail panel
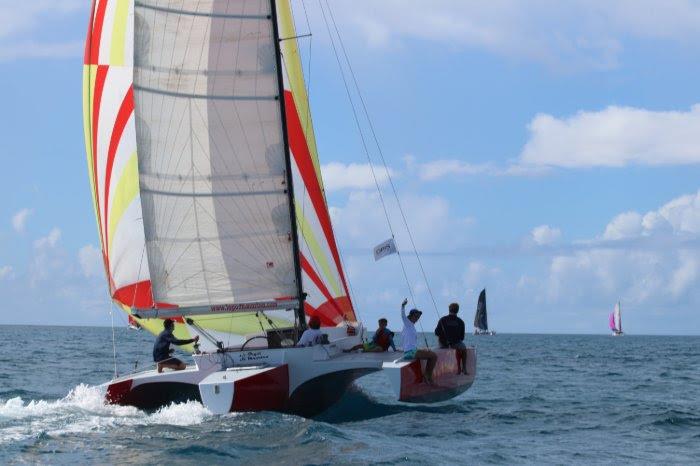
column 211, row 152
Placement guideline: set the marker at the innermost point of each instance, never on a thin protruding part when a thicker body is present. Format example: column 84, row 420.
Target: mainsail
column 480, row 319
column 196, row 124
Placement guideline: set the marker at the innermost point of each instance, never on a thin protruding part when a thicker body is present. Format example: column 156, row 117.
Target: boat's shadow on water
column 356, row 405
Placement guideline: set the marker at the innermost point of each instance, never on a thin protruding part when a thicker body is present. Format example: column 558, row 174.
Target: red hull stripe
column 125, row 111
column 267, row 391
column 300, row 150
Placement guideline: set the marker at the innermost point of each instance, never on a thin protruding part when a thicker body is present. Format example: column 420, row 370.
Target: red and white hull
column 304, row 381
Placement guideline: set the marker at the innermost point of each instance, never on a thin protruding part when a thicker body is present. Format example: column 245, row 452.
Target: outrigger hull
column 303, row 381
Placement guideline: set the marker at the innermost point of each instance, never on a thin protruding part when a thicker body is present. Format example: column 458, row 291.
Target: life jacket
column 383, row 338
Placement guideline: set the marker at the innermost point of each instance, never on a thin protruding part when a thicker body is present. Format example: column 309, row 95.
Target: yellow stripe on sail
column 123, row 195
column 116, row 54
column 316, row 251
column 243, row 324
column 89, row 76
column 295, row 74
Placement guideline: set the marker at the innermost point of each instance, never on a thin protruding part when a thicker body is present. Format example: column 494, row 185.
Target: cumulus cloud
column 638, row 274
column 545, row 235
column 90, row 259
column 6, row 272
column 571, row 34
column 49, row 240
column 338, row 176
column 19, row 23
column 614, row 137
column 19, row 220
column 361, row 222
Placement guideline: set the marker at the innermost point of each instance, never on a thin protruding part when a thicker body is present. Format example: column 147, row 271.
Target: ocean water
column 560, row 399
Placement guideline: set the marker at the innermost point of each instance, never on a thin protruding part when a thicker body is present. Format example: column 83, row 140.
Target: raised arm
column 403, row 311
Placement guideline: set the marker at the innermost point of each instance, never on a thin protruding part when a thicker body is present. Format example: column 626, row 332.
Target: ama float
column 211, row 209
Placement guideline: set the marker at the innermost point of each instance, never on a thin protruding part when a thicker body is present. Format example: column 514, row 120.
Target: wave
column 84, row 410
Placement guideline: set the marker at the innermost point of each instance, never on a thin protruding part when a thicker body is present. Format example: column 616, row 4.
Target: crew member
column 161, row 348
column 450, row 332
column 410, row 342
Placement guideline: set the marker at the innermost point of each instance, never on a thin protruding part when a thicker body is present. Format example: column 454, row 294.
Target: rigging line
column 381, row 155
column 114, row 344
column 367, row 153
column 366, row 150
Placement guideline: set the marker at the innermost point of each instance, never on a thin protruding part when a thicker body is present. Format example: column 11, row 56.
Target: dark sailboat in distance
column 481, row 325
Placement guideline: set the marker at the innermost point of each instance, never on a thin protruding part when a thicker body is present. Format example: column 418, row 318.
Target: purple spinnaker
column 612, row 321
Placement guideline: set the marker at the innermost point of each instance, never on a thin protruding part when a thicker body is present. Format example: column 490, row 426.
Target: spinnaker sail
column 480, row 318
column 196, row 124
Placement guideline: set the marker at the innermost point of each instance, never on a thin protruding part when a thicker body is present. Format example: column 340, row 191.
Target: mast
column 301, row 316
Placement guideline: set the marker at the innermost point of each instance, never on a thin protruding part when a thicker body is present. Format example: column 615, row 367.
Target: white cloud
column 361, row 222
column 569, row 34
column 30, row 49
column 477, row 275
column 440, row 168
column 19, row 220
column 614, row 137
column 625, row 225
column 6, row 272
column 545, row 235
column 436, row 169
column 640, row 274
column 338, row 176
column 49, row 240
column 20, row 22
column 90, row 259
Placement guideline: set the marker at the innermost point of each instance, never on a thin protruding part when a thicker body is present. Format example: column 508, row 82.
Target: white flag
column 386, row 248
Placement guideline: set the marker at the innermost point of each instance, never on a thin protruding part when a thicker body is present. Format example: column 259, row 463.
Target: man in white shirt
column 409, row 337
column 312, row 335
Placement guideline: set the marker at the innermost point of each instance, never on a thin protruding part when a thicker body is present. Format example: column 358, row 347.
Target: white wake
column 84, row 410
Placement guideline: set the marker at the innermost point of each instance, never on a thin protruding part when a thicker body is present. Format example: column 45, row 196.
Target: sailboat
column 211, row 210
column 481, row 325
column 615, row 321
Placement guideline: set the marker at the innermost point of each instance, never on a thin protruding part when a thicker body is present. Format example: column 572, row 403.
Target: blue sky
column 550, row 153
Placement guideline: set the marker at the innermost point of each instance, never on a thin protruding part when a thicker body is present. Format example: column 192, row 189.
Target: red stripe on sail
column 88, row 41
column 302, row 156
column 96, row 36
column 140, row 295
column 95, row 106
column 311, row 311
column 125, row 110
column 309, row 270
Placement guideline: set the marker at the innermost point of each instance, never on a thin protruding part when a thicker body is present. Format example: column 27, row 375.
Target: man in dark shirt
column 162, row 351
column 450, row 332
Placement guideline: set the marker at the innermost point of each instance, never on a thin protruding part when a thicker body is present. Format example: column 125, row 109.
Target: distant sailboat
column 615, row 321
column 481, row 325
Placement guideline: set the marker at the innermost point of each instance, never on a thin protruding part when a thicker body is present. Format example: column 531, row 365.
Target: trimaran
column 211, row 209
